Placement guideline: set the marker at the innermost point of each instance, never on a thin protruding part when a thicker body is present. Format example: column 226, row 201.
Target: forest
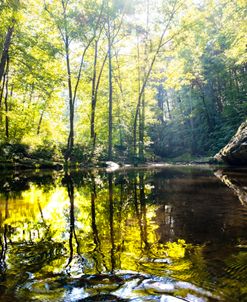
column 130, row 81
column 123, row 150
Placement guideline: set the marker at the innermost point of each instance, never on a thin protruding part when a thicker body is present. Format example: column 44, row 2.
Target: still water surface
column 174, row 234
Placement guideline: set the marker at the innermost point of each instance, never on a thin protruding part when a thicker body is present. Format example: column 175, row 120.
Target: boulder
column 111, row 166
column 235, row 152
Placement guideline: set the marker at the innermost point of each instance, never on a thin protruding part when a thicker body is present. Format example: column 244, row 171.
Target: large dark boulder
column 235, row 152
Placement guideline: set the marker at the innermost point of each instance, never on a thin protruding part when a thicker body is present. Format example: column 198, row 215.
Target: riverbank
column 29, row 164
column 41, row 164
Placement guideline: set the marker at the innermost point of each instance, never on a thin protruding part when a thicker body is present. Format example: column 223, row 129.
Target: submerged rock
column 235, row 152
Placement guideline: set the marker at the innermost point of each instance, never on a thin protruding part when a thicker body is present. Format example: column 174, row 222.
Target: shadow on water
column 163, row 235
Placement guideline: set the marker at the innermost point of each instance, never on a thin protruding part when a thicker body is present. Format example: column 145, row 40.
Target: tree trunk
column 142, row 109
column 141, row 129
column 40, row 121
column 93, row 104
column 110, row 89
column 138, row 103
column 206, row 111
column 201, row 88
column 95, row 88
column 148, row 73
column 70, row 143
column 192, row 135
column 6, row 104
column 219, row 97
column 119, row 83
column 1, row 96
column 6, row 47
column 168, row 109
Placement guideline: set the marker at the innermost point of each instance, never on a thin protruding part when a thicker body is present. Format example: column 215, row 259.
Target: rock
column 159, row 287
column 166, row 298
column 235, row 152
column 111, row 166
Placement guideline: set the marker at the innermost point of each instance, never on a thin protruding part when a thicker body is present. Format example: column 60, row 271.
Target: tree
column 70, row 25
column 162, row 41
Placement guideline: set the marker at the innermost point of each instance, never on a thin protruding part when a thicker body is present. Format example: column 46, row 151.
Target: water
column 171, row 234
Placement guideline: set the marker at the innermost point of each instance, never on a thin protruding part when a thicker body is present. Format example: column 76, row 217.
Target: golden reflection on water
column 84, row 222
column 97, row 224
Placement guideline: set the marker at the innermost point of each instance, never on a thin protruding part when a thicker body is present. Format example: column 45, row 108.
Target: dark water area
column 171, row 234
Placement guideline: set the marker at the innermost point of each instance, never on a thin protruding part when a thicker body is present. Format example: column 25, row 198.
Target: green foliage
column 47, row 151
column 194, row 99
column 10, row 151
column 204, row 100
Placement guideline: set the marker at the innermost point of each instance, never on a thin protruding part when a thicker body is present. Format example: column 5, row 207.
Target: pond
column 170, row 234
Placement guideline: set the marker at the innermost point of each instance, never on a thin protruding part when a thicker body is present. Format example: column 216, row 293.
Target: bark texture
column 235, row 152
column 5, row 52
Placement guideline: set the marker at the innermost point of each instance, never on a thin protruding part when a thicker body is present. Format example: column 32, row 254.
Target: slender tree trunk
column 142, row 109
column 148, row 73
column 141, row 130
column 6, row 104
column 65, row 36
column 40, row 121
column 119, row 82
column 201, row 88
column 138, row 103
column 95, row 88
column 182, row 136
column 206, row 111
column 72, row 91
column 219, row 98
column 236, row 81
column 192, row 135
column 110, row 88
column 168, row 108
column 93, row 92
column 1, row 96
column 6, row 47
column 31, row 93
column 70, row 143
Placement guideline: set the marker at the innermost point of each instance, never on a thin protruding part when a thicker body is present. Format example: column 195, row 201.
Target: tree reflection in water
column 77, row 235
column 68, row 181
column 3, row 240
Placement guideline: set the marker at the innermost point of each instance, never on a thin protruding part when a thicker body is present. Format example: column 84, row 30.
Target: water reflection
column 235, row 183
column 135, row 236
